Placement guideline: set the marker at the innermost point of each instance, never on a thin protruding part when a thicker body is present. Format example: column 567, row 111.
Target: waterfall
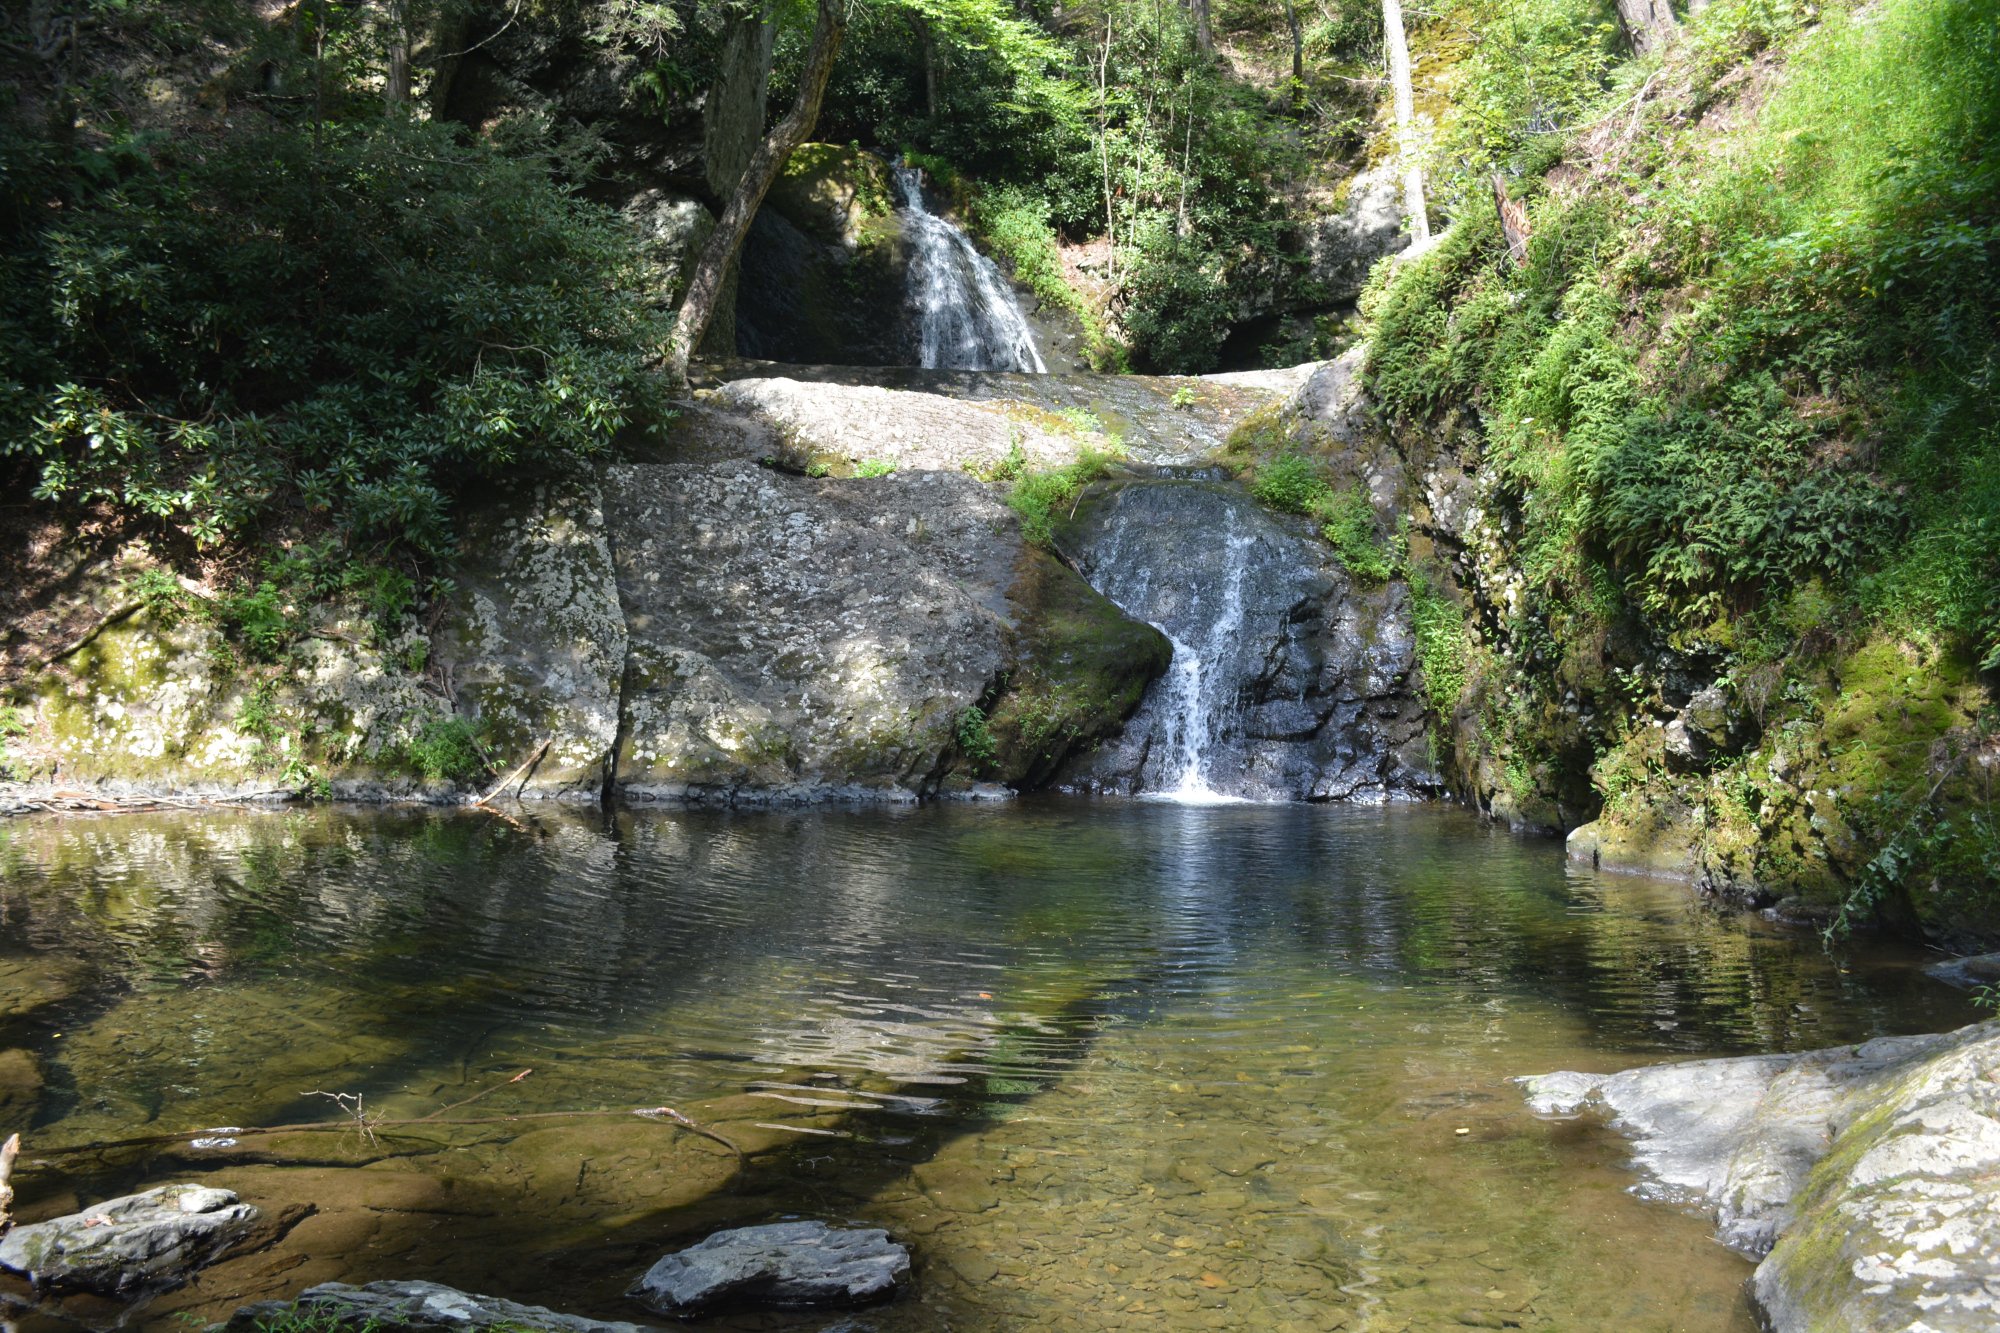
column 1192, row 712
column 967, row 317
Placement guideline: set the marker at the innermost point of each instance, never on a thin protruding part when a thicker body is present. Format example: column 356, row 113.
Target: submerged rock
column 155, row 1239
column 412, row 1307
column 1865, row 1175
column 786, row 1265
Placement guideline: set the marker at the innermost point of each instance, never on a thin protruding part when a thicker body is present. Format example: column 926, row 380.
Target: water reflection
column 1090, row 1030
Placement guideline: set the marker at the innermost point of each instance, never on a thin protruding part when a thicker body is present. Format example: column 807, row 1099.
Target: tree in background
column 1406, row 145
column 759, row 174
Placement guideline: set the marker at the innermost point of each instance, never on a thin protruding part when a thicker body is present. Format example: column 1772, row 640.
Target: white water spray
column 967, row 316
column 1194, row 702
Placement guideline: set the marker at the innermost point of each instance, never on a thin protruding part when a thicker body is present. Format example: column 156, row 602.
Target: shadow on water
column 1104, row 1064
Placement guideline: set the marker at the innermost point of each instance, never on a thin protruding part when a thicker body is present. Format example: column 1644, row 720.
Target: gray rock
column 1969, row 973
column 126, row 1245
column 413, row 1307
column 1867, row 1176
column 786, row 1265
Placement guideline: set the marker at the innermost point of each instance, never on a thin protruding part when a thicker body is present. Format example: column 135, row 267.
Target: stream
column 1101, row 1063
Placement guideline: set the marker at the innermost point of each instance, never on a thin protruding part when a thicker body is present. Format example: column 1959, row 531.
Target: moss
column 830, row 191
column 1084, row 667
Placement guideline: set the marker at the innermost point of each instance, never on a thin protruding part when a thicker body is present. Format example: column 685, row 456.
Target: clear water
column 968, row 317
column 1102, row 1064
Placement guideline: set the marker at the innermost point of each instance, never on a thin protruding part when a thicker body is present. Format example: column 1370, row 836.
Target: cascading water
column 1194, row 705
column 967, row 317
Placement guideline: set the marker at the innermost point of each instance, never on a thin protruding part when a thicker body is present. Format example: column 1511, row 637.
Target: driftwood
column 520, row 772
column 375, row 1125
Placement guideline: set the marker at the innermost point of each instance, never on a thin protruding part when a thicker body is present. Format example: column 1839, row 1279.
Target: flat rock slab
column 1868, row 1177
column 786, row 1265
column 412, row 1307
column 141, row 1241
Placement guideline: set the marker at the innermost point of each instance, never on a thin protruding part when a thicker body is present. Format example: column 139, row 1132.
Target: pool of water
column 1102, row 1064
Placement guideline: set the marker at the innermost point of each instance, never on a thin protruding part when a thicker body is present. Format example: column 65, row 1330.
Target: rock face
column 132, row 1244
column 716, row 620
column 1289, row 680
column 1865, row 1176
column 787, row 1265
column 413, row 1307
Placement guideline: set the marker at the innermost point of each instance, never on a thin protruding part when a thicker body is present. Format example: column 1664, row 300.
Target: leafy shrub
column 1347, row 521
column 1442, row 651
column 874, row 467
column 1038, row 496
column 1289, row 482
column 975, row 740
column 447, row 749
column 214, row 332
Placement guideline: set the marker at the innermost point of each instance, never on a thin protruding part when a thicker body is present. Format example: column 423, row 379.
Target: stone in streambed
column 786, row 1265
column 155, row 1239
column 412, row 1307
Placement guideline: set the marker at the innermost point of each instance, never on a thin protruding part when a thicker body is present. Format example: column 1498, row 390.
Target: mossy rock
column 832, row 192
column 1084, row 668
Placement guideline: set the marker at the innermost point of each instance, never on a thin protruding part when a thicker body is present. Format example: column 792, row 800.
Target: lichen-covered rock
column 1870, row 1174
column 536, row 649
column 131, row 1244
column 786, row 1266
column 412, row 1307
column 798, row 638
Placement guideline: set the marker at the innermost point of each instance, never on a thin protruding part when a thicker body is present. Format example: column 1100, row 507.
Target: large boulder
column 786, row 1265
column 132, row 1244
column 1866, row 1177
column 411, row 1307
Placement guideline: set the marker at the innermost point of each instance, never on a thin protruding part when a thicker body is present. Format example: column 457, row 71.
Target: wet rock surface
column 786, row 1265
column 131, row 1244
column 1865, row 1175
column 413, row 1307
column 1295, row 681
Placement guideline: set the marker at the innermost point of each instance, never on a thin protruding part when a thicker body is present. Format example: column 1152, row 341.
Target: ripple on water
column 1116, row 1064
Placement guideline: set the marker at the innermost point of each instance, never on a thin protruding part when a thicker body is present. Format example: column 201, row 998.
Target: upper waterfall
column 967, row 315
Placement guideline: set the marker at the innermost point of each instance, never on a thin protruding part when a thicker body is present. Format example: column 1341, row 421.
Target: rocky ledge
column 1866, row 1178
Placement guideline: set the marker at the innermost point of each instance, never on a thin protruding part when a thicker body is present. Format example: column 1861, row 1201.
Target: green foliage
column 1347, row 521
column 447, row 749
column 1825, row 407
column 974, row 739
column 12, row 723
column 1442, row 649
column 1290, row 483
column 1038, row 497
column 873, row 467
column 360, row 323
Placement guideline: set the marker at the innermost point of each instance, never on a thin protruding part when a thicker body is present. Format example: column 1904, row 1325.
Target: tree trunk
column 1649, row 24
column 1406, row 146
column 930, row 66
column 1298, row 56
column 396, row 86
column 1513, row 221
column 720, row 253
column 1204, row 26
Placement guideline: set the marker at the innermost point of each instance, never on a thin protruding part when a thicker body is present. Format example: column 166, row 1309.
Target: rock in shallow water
column 786, row 1265
column 1870, row 1173
column 126, row 1245
column 413, row 1307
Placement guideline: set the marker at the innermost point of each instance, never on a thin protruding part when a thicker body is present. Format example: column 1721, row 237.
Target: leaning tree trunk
column 1298, row 57
column 1406, row 146
column 1649, row 24
column 710, row 272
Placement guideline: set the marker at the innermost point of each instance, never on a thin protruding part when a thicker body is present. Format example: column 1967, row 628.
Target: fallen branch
column 520, row 772
column 374, row 1126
